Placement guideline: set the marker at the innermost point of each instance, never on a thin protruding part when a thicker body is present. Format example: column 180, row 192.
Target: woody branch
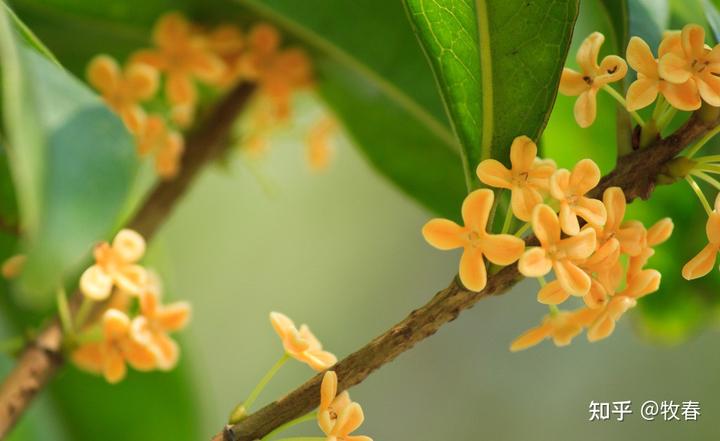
column 635, row 174
column 42, row 357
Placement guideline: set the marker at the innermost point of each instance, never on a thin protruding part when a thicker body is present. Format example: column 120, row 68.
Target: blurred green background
column 342, row 252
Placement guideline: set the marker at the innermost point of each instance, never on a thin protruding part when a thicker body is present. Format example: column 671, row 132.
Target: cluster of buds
column 685, row 73
column 186, row 56
column 134, row 324
column 581, row 239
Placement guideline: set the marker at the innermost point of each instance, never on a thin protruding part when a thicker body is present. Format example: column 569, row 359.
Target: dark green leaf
column 498, row 64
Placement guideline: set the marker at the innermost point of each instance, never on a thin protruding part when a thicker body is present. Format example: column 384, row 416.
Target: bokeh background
column 342, row 251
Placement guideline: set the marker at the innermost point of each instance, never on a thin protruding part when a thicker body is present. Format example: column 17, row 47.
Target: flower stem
column 64, row 313
column 522, row 229
column 553, row 309
column 619, row 98
column 709, row 179
column 666, row 118
column 708, row 168
column 240, row 411
column 541, row 281
column 703, row 141
column 83, row 312
column 508, row 220
column 709, row 158
column 309, row 417
column 699, row 193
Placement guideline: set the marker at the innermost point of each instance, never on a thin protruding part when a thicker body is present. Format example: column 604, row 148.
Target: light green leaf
column 72, row 163
column 713, row 18
column 498, row 64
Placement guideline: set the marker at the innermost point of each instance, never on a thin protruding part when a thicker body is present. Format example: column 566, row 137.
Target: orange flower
column 570, row 188
column 527, row 179
column 560, row 255
column 263, row 44
column 586, row 83
column 643, row 91
column 693, row 61
column 561, row 326
column 228, row 43
column 123, row 90
column 604, row 324
column 156, row 321
column 319, row 148
column 117, row 347
column 331, row 404
column 501, row 249
column 183, row 55
column 347, row 422
column 301, row 344
column 704, row 261
column 115, row 266
column 657, row 234
column 629, row 235
column 289, row 71
column 167, row 144
column 605, row 271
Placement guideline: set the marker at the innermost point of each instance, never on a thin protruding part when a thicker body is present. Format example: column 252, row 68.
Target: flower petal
column 712, row 228
column 349, row 420
column 546, row 225
column 104, row 74
column 328, row 390
column 580, row 246
column 614, row 201
column 523, row 152
column 534, row 263
column 552, row 294
column 174, row 317
column 585, row 108
column 531, row 337
column 115, row 324
column 709, row 87
column 640, row 57
column 592, row 210
column 673, row 68
column 129, row 244
column 114, row 368
column 444, row 234
column 613, row 69
column 585, row 176
column 143, row 80
column 701, row 264
column 95, row 283
column 693, row 40
column 601, row 329
column 684, row 96
column 588, row 52
column 641, row 93
column 568, row 219
column 660, row 232
column 476, row 209
column 572, row 83
column 523, row 201
column 472, row 270
column 573, row 279
column 502, row 249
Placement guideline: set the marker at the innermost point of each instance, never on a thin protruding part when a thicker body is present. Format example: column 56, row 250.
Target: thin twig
column 635, row 174
column 43, row 357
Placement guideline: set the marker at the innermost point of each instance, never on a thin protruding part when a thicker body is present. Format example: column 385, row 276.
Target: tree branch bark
column 635, row 174
column 43, row 357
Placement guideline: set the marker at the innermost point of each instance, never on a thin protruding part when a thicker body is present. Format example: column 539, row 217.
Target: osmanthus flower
column 643, row 91
column 124, row 89
column 569, row 188
column 630, row 235
column 289, row 71
column 156, row 321
column 561, row 255
column 694, row 61
column 331, row 404
column 262, row 46
column 592, row 76
column 228, row 43
column 115, row 265
column 528, row 178
column 477, row 243
column 301, row 344
column 561, row 326
column 655, row 235
column 603, row 320
column 348, row 421
column 183, row 55
column 319, row 147
column 118, row 347
column 704, row 261
column 166, row 144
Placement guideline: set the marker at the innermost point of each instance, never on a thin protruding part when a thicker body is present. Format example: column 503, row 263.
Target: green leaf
column 404, row 133
column 498, row 64
column 713, row 18
column 71, row 159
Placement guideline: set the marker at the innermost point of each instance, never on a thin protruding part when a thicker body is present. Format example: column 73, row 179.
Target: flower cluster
column 583, row 242
column 301, row 344
column 338, row 416
column 684, row 74
column 192, row 62
column 141, row 341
